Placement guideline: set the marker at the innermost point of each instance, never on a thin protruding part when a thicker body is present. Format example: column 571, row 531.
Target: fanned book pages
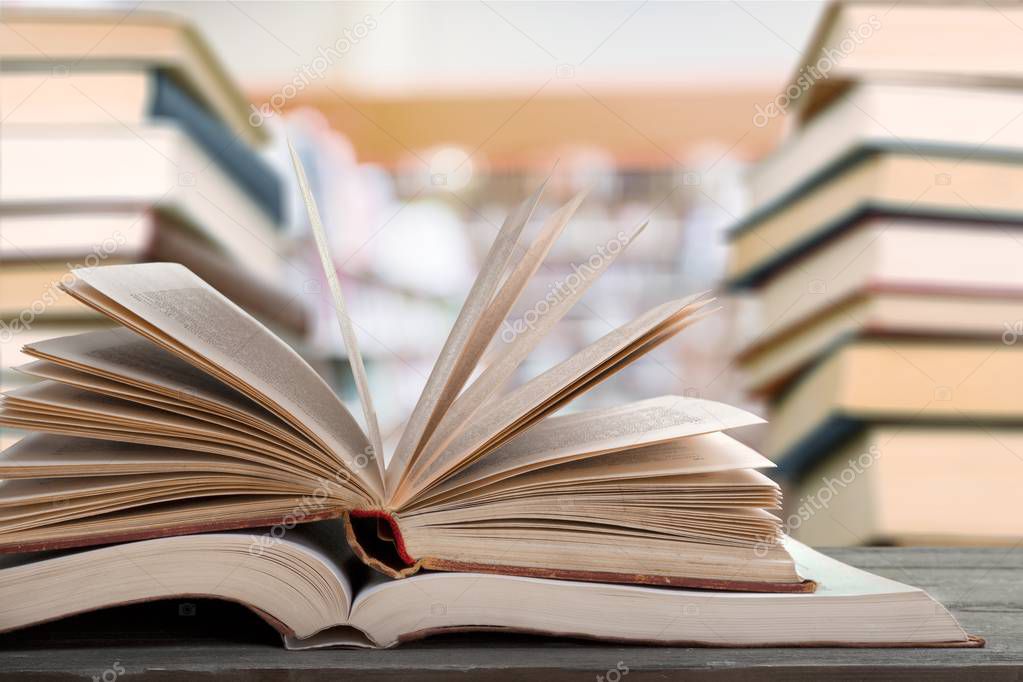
column 191, row 421
column 192, row 416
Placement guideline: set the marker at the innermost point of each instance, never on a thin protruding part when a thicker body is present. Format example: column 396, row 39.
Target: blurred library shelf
column 882, row 243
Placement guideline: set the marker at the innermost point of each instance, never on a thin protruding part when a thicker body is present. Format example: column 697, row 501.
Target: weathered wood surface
column 983, row 587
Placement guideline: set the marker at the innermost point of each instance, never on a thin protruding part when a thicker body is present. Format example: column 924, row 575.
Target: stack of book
column 124, row 140
column 884, row 246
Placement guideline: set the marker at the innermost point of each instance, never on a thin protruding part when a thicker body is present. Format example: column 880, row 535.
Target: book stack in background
column 885, row 249
column 124, row 140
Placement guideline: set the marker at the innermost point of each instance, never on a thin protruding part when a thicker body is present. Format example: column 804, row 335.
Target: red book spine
column 399, row 540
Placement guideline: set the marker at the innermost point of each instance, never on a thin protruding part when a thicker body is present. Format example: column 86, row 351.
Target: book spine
column 386, row 553
column 255, row 176
column 395, row 530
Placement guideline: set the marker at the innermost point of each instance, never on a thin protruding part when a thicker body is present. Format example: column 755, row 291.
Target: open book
column 315, row 593
column 194, row 417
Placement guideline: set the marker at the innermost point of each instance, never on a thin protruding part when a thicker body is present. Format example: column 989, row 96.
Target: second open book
column 194, row 417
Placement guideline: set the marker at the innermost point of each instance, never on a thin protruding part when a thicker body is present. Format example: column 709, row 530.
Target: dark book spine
column 254, row 175
column 376, row 538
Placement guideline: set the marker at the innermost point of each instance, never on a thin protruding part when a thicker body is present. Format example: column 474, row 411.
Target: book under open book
column 311, row 588
column 193, row 417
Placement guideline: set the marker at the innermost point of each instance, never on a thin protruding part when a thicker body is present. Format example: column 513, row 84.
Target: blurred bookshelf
column 409, row 257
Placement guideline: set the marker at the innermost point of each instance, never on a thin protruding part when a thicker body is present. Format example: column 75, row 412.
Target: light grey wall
column 492, row 45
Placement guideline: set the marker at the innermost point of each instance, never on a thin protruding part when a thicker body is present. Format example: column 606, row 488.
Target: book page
column 121, row 363
column 171, row 306
column 42, row 455
column 526, row 404
column 299, row 583
column 428, row 408
column 56, row 403
column 652, row 468
column 344, row 321
column 108, row 435
column 491, row 319
column 608, row 513
column 34, row 502
column 124, row 354
column 653, row 476
column 608, row 430
column 274, row 437
column 684, row 460
column 508, row 359
column 846, row 599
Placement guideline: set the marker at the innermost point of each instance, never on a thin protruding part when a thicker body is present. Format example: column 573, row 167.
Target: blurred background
column 846, row 177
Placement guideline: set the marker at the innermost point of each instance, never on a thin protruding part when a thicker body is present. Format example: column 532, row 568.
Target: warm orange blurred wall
column 647, row 82
column 642, row 129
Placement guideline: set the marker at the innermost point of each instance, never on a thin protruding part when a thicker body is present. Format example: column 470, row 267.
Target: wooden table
column 200, row 640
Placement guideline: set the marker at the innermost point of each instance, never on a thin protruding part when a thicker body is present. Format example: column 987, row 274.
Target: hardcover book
column 886, row 276
column 877, row 178
column 37, row 247
column 129, row 97
column 312, row 590
column 913, row 115
column 893, row 380
column 82, row 168
column 919, row 484
column 939, row 42
column 61, row 42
